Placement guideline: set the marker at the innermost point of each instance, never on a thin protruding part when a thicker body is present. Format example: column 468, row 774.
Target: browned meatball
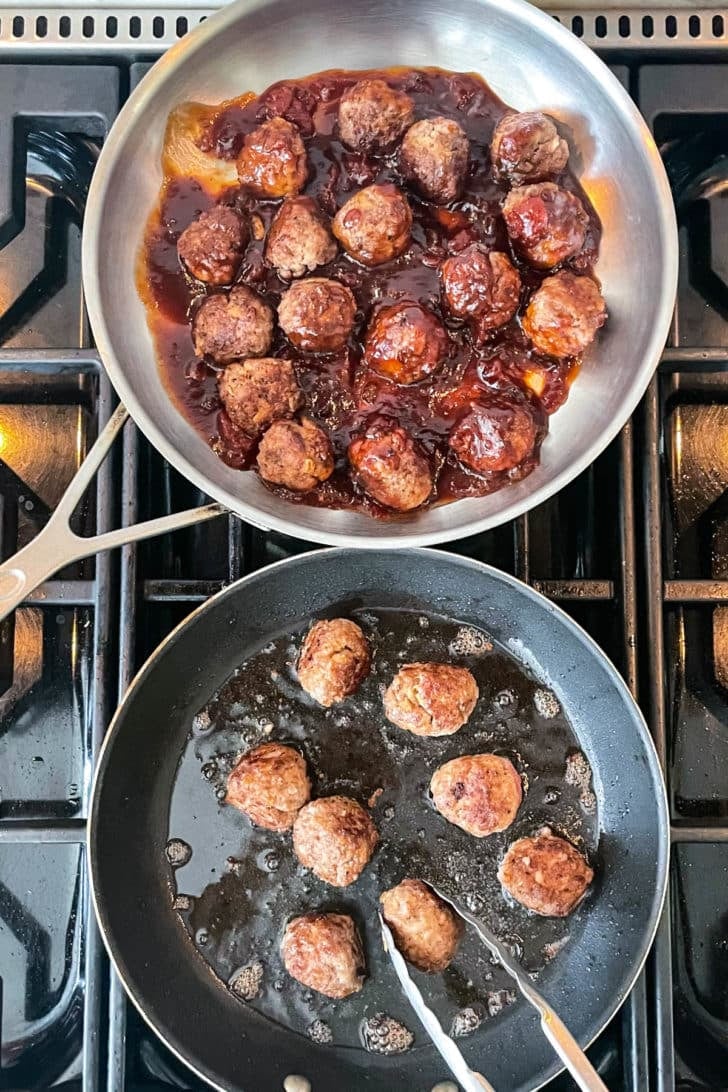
column 299, row 239
column 495, row 436
column 257, row 392
column 527, row 147
column 212, row 246
column 273, row 160
column 478, row 793
column 434, row 158
column 270, row 784
column 546, row 874
column 405, row 342
column 372, row 115
column 430, row 699
column 481, row 284
column 425, row 929
column 390, row 467
column 297, row 456
column 335, row 657
column 317, row 314
column 374, row 225
column 233, row 326
column 324, row 952
column 335, row 838
column 546, row 224
column 564, row 314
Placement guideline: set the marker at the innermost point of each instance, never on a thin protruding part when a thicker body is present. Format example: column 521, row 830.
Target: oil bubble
column 178, row 852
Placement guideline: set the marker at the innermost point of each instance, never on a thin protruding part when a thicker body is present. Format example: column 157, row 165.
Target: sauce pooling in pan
column 238, row 885
column 341, row 391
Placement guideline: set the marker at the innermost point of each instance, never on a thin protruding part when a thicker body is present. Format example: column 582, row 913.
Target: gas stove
column 636, row 549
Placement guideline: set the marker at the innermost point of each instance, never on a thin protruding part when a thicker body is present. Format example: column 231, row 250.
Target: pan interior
column 241, row 884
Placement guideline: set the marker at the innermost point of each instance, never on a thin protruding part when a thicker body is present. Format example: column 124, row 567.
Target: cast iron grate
column 618, row 549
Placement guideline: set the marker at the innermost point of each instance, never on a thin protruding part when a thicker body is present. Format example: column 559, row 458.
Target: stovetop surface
column 636, row 549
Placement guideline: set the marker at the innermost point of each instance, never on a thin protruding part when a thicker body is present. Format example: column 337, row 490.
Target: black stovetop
column 636, row 549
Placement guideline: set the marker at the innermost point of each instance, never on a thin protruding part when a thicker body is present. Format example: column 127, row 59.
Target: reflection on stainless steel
column 699, row 459
column 27, row 667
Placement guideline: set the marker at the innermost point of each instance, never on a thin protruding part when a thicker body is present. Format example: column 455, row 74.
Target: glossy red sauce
column 340, row 393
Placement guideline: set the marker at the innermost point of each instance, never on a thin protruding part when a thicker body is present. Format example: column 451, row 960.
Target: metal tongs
column 553, row 1028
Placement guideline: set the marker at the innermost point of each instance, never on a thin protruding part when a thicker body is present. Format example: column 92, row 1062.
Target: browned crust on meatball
column 324, row 952
column 233, row 326
column 390, row 467
column 494, row 436
column 334, row 837
column 296, row 456
column 564, row 314
column 273, row 162
column 434, row 158
column 546, row 223
column 546, row 874
column 317, row 314
column 481, row 285
column 481, row 794
column 257, row 392
column 425, row 929
column 269, row 784
column 430, row 699
column 211, row 247
column 405, row 342
column 299, row 239
column 335, row 658
column 375, row 225
column 373, row 115
column 527, row 147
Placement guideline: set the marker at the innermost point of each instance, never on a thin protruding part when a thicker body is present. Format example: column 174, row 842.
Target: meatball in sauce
column 481, row 285
column 495, row 436
column 389, row 467
column 405, row 342
column 425, row 929
column 481, row 794
column 257, row 392
column 373, row 115
column 270, row 785
column 295, row 455
column 335, row 658
column 211, row 247
column 233, row 326
column 374, row 226
column 299, row 239
column 317, row 314
column 273, row 160
column 564, row 315
column 324, row 952
column 430, row 699
column 546, row 223
column 527, row 147
column 546, row 874
column 335, row 838
column 434, row 158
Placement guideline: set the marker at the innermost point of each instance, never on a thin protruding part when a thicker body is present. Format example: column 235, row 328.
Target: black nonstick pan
column 192, row 900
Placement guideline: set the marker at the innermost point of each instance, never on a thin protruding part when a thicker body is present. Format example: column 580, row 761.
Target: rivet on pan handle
column 57, row 545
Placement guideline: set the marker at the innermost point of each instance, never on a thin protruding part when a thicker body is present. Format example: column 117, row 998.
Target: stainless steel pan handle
column 57, row 545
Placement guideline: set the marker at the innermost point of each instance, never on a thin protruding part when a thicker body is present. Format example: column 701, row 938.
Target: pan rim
column 655, row 767
column 289, row 524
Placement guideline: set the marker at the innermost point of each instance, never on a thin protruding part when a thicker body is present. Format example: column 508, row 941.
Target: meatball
column 334, row 837
column 430, row 699
column 273, row 160
column 374, row 225
column 546, row 874
column 317, row 314
column 481, row 284
column 233, row 326
column 299, row 239
column 495, row 436
column 297, row 456
column 564, row 314
column 324, row 952
column 405, row 343
column 211, row 247
column 372, row 115
column 527, row 147
column 270, row 784
column 434, row 158
column 335, row 658
column 546, row 224
column 478, row 793
column 257, row 392
column 390, row 467
column 425, row 929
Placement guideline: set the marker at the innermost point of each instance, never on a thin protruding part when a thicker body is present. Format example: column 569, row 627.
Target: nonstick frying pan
column 136, row 808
